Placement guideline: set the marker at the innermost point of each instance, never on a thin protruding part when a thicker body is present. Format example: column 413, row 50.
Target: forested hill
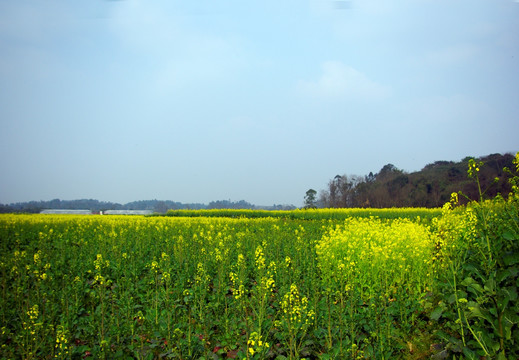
column 430, row 187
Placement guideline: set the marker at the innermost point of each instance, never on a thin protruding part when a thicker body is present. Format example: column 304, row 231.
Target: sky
column 197, row 101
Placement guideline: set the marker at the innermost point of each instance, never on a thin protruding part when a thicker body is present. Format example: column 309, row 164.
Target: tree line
column 430, row 187
column 158, row 206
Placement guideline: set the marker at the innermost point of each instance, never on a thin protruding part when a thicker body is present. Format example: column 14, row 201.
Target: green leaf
column 510, row 318
column 469, row 353
column 468, row 281
column 475, row 288
column 490, row 285
column 503, row 275
column 511, row 292
column 508, row 330
column 443, row 335
column 436, row 314
column 504, row 296
column 452, row 298
column 509, row 235
column 511, row 259
column 489, row 342
column 476, row 311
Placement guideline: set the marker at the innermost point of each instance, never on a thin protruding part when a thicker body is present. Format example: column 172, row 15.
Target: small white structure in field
column 127, row 212
column 66, row 211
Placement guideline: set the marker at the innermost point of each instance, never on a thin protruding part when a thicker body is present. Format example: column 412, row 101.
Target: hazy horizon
column 196, row 102
column 324, row 187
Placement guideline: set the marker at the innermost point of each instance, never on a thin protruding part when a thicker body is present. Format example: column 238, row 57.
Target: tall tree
column 310, row 199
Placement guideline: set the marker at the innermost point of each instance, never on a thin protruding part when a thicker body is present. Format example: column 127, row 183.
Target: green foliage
column 478, row 310
column 310, row 200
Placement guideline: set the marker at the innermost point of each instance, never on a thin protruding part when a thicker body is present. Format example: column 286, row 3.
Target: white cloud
column 340, row 81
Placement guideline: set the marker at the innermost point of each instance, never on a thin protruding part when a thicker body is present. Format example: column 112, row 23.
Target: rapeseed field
column 320, row 284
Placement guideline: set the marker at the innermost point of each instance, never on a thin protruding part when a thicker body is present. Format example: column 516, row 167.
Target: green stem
column 458, row 306
column 477, row 338
column 330, row 344
column 156, row 299
column 190, row 350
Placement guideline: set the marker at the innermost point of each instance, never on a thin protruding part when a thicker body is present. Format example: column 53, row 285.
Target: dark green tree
column 310, row 199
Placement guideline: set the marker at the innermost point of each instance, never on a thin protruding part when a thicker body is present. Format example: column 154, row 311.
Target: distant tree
column 228, row 204
column 160, row 207
column 388, row 170
column 310, row 199
column 324, row 198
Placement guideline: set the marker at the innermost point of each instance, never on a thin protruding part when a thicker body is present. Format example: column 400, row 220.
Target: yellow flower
column 154, row 266
column 454, row 198
column 260, row 258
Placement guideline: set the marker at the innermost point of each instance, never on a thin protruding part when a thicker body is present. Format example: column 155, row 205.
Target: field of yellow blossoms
column 321, row 284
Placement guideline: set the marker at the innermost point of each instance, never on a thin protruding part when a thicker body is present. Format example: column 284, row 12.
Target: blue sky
column 195, row 101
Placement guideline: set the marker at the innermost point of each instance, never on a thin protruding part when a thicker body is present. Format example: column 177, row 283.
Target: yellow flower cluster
column 99, row 266
column 454, row 198
column 154, row 266
column 514, row 194
column 201, row 276
column 39, row 272
column 456, row 229
column 237, row 277
column 267, row 282
column 288, row 261
column 255, row 344
column 33, row 312
column 474, row 167
column 18, row 257
column 37, row 257
column 260, row 258
column 32, row 325
column 371, row 251
column 238, row 289
column 61, row 342
column 295, row 310
column 164, row 257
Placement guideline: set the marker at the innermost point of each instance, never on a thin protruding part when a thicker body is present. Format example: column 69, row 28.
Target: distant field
column 356, row 283
column 314, row 214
